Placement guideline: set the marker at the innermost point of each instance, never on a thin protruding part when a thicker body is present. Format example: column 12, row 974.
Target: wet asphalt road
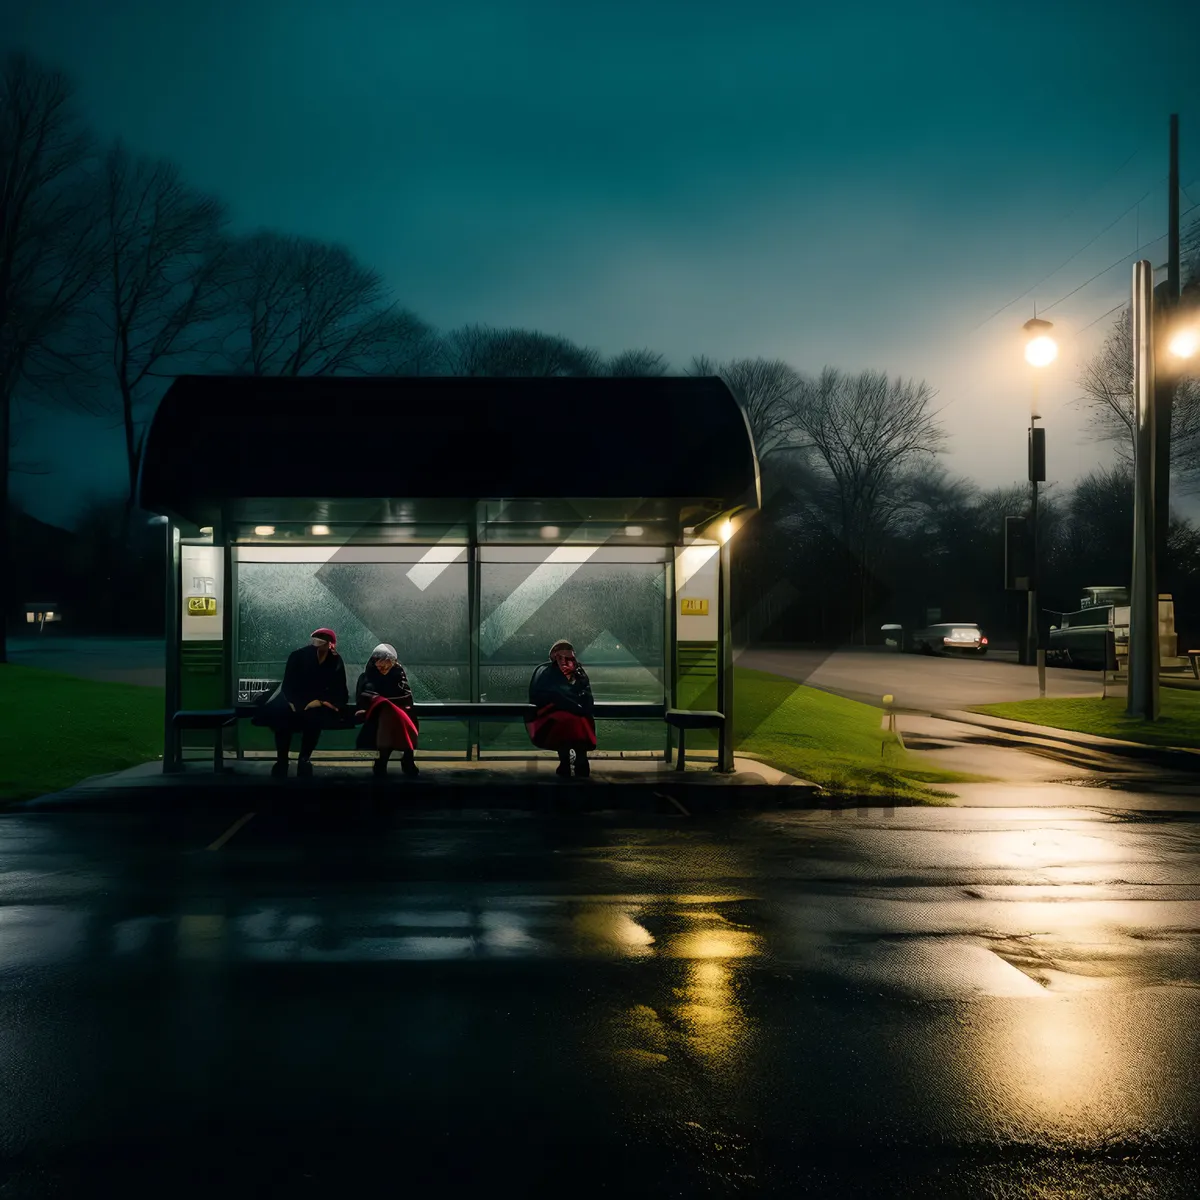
column 924, row 683
column 925, row 1003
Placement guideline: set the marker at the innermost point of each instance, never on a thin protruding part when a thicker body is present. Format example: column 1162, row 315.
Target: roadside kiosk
column 470, row 522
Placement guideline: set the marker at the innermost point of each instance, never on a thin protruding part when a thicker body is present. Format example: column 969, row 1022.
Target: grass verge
column 1178, row 724
column 56, row 730
column 829, row 740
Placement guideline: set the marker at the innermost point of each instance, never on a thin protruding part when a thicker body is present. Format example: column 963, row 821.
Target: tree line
column 117, row 274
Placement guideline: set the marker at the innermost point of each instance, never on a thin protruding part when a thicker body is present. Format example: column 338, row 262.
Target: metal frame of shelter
column 234, row 462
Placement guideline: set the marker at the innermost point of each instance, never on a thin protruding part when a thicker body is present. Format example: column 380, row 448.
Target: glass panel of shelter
column 610, row 603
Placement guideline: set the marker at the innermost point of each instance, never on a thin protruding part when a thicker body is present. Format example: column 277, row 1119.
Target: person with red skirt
column 385, row 706
column 562, row 695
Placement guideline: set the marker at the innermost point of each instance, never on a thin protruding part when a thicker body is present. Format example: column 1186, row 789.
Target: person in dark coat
column 312, row 697
column 384, row 703
column 562, row 694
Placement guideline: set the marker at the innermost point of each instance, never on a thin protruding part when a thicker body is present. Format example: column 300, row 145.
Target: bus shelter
column 469, row 522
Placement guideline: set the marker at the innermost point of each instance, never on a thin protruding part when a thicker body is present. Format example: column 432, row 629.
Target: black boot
column 379, row 766
column 308, row 743
column 408, row 764
column 564, row 764
column 582, row 767
column 283, row 744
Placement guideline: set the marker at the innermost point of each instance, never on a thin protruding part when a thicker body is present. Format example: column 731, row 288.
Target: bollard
column 1041, row 665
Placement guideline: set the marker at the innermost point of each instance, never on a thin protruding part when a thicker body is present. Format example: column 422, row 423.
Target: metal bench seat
column 684, row 719
column 215, row 719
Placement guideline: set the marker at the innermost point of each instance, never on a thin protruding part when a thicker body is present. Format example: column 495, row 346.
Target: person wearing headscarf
column 562, row 694
column 311, row 698
column 385, row 706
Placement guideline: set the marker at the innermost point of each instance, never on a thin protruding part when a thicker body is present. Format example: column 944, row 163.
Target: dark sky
column 860, row 185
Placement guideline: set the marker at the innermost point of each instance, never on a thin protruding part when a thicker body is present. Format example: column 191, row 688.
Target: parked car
column 949, row 637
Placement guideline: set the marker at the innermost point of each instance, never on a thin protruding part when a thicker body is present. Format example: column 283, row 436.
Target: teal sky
column 858, row 185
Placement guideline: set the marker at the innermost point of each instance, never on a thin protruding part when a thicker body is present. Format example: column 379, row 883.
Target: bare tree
column 1106, row 383
column 409, row 346
column 481, row 350
column 163, row 281
column 303, row 307
column 636, row 364
column 47, row 247
column 767, row 390
column 867, row 433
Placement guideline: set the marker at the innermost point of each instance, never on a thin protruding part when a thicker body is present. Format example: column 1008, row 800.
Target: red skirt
column 387, row 727
column 553, row 729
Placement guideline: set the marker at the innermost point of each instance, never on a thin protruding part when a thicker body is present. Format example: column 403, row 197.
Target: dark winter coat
column 393, row 686
column 305, row 679
column 550, row 686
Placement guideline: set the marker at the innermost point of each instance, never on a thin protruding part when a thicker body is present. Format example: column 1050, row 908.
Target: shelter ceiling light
column 1041, row 349
column 264, row 530
column 320, row 531
column 634, row 530
column 726, row 530
column 550, row 531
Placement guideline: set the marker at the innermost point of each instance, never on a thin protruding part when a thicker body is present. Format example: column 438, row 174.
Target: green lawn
column 1178, row 723
column 56, row 730
column 829, row 740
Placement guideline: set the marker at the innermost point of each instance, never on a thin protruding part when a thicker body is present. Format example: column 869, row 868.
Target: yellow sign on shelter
column 202, row 606
column 693, row 608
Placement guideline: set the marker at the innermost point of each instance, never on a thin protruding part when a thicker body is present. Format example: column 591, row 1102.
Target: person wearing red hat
column 312, row 697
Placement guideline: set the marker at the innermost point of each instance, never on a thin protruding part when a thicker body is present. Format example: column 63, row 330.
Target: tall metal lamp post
column 1182, row 341
column 1040, row 351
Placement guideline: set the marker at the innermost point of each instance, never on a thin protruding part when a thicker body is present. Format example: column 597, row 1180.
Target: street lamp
column 1184, row 343
column 1040, row 351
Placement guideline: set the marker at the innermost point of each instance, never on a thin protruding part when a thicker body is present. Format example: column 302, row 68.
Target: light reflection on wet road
column 937, row 1002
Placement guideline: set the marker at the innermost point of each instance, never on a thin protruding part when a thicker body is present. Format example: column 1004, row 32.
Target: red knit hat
column 327, row 634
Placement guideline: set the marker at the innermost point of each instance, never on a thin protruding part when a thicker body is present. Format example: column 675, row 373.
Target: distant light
column 634, row 530
column 320, row 531
column 726, row 530
column 1041, row 351
column 1185, row 343
column 550, row 531
column 206, row 531
column 264, row 530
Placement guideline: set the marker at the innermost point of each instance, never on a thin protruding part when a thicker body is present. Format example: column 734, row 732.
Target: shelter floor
column 511, row 783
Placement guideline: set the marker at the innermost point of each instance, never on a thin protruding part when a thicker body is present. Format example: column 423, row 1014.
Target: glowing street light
column 1041, row 349
column 1184, row 343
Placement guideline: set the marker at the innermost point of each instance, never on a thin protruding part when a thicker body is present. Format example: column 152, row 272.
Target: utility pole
column 1166, row 301
column 1143, row 600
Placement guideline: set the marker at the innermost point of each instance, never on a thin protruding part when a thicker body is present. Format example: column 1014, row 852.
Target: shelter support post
column 671, row 656
column 473, row 605
column 725, row 656
column 223, row 544
column 173, row 635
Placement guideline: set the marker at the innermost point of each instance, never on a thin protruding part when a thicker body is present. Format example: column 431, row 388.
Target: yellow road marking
column 231, row 831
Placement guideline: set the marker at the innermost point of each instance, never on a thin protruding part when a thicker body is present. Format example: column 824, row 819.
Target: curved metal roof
column 221, row 438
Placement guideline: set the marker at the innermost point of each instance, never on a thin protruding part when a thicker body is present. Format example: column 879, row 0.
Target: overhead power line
column 1105, row 271
column 1067, row 263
